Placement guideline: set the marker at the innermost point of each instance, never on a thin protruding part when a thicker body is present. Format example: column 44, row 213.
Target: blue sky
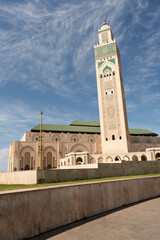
column 47, row 62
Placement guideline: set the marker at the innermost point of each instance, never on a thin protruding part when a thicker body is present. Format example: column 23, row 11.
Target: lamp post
column 40, row 148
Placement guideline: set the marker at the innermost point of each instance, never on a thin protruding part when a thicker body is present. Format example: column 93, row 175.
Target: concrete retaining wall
column 103, row 170
column 18, row 177
column 60, row 175
column 27, row 213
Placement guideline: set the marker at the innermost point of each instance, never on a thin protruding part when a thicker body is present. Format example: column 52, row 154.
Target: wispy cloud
column 40, row 43
column 50, row 46
column 18, row 117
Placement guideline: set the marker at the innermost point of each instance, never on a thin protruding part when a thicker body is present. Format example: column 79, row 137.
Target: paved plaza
column 140, row 221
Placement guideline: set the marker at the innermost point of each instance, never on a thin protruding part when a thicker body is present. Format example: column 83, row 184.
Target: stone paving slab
column 135, row 222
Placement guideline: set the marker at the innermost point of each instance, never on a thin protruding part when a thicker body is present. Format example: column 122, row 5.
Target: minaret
column 111, row 97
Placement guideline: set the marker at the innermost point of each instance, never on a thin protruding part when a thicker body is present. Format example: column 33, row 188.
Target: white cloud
column 43, row 41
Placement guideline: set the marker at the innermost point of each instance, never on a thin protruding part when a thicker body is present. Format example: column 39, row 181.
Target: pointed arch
column 79, row 148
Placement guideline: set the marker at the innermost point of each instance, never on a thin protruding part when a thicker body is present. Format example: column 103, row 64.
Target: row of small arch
column 147, row 140
column 126, row 158
column 57, row 138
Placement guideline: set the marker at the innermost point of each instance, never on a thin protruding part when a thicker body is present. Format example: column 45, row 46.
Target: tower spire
column 104, row 21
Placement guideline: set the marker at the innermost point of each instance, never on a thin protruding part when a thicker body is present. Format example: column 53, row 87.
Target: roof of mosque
column 66, row 128
column 84, row 123
column 85, row 127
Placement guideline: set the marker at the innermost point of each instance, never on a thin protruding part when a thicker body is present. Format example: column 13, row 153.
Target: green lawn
column 4, row 187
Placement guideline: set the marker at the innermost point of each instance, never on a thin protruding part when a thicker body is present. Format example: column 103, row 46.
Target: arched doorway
column 49, row 155
column 79, row 161
column 100, row 160
column 157, row 156
column 49, row 160
column 49, row 166
column 126, row 158
column 117, row 158
column 143, row 158
column 109, row 159
column 27, row 167
column 134, row 158
column 27, row 159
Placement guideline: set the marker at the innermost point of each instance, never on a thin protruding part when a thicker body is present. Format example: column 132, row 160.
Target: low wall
column 26, row 213
column 103, row 170
column 62, row 175
column 80, row 166
column 19, row 177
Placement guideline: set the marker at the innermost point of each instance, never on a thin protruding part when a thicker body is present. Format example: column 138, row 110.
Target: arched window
column 113, row 137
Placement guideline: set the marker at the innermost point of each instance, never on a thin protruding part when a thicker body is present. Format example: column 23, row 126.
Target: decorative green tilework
column 106, row 50
column 100, row 63
column 112, row 60
column 107, row 68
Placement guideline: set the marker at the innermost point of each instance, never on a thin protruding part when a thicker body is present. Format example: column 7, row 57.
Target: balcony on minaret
column 105, row 34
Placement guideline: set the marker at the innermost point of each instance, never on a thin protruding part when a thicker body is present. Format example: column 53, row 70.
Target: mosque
column 86, row 143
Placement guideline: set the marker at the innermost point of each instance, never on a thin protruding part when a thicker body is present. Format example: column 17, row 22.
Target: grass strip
column 6, row 187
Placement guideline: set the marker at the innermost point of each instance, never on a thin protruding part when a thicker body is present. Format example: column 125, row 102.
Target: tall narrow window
column 113, row 137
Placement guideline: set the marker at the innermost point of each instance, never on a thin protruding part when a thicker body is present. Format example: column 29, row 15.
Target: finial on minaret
column 104, row 21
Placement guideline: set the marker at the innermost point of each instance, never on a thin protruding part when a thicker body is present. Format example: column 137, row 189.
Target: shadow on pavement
column 70, row 226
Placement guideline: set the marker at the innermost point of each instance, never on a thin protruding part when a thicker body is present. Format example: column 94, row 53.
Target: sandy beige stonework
column 90, row 142
column 26, row 213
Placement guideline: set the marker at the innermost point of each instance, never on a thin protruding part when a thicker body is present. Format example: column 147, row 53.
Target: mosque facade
column 83, row 142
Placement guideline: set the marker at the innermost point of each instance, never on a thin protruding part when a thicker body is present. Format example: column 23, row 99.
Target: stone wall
column 103, row 170
column 26, row 213
column 100, row 170
column 18, row 177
